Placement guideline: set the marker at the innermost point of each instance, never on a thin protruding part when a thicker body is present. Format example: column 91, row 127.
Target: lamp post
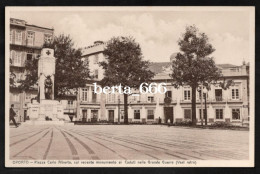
column 118, row 109
column 205, row 97
column 201, row 103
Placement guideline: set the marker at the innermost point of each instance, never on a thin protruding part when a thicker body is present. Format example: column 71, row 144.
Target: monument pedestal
column 47, row 111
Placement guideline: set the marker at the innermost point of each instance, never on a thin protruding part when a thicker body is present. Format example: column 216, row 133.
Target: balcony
column 142, row 101
column 232, row 100
column 171, row 101
column 93, row 101
column 18, row 65
column 69, row 107
column 218, row 99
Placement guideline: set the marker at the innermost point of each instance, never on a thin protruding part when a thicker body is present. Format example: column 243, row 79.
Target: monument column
column 46, row 72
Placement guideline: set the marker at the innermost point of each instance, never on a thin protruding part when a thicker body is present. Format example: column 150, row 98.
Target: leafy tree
column 31, row 77
column 124, row 65
column 192, row 65
column 12, row 77
column 70, row 73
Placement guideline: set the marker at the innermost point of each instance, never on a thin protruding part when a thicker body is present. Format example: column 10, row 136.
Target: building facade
column 229, row 105
column 26, row 42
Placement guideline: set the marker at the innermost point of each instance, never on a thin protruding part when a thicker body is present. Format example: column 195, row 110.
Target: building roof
column 20, row 22
column 157, row 67
column 226, row 65
column 98, row 46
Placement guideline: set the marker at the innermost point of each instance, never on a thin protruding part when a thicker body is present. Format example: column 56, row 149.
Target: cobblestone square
column 126, row 142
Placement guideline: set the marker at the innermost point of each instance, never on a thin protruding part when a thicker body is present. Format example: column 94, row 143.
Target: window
column 236, row 114
column 16, row 58
column 122, row 113
column 150, row 99
column 204, row 113
column 47, row 38
column 94, row 96
column 18, row 37
column 96, row 74
column 27, row 96
column 30, row 38
column 150, row 114
column 96, row 59
column 235, row 93
column 29, row 56
column 70, row 103
column 234, row 69
column 204, row 94
column 15, row 97
column 219, row 113
column 186, row 94
column 136, row 114
column 168, row 94
column 218, row 94
column 85, row 61
column 84, row 94
column 111, row 97
column 187, row 113
column 11, row 36
column 94, row 115
column 12, row 56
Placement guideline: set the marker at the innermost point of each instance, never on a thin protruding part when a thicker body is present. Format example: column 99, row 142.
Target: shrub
column 221, row 124
column 184, row 123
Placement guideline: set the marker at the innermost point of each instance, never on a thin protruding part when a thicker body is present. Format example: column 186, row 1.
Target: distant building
column 231, row 105
column 26, row 42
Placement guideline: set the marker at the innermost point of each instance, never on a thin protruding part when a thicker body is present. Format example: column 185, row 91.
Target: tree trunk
column 125, row 109
column 193, row 105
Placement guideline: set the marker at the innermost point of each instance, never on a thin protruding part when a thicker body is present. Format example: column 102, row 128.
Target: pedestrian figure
column 160, row 120
column 12, row 115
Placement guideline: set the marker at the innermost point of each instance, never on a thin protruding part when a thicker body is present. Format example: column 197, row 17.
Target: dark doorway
column 111, row 116
column 84, row 113
column 168, row 114
column 94, row 116
column 25, row 115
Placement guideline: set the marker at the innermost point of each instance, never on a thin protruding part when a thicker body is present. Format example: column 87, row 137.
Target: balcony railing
column 93, row 101
column 161, row 100
column 131, row 101
column 143, row 101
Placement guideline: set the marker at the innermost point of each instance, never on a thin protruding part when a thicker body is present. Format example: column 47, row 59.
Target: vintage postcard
column 129, row 86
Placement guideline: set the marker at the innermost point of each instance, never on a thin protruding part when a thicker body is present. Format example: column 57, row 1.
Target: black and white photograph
column 129, row 86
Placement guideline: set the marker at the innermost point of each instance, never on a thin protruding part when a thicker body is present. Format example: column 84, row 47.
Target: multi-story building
column 229, row 105
column 26, row 42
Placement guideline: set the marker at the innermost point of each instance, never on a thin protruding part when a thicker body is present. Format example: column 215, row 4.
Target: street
column 126, row 142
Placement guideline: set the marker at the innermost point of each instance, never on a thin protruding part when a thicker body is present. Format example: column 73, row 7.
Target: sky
column 156, row 31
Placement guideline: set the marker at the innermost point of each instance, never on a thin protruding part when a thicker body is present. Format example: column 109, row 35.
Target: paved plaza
column 121, row 142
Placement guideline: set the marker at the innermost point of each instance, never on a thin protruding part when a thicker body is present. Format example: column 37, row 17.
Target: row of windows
column 187, row 96
column 137, row 115
column 219, row 114
column 30, row 37
column 18, row 57
column 218, row 94
column 85, row 95
column 187, row 114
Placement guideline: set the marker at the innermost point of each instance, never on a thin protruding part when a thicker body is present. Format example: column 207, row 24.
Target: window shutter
column 13, row 36
column 23, row 58
column 23, row 38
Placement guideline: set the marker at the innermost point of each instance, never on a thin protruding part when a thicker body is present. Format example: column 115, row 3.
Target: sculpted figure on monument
column 48, row 87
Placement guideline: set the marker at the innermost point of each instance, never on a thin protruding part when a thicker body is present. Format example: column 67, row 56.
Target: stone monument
column 46, row 110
